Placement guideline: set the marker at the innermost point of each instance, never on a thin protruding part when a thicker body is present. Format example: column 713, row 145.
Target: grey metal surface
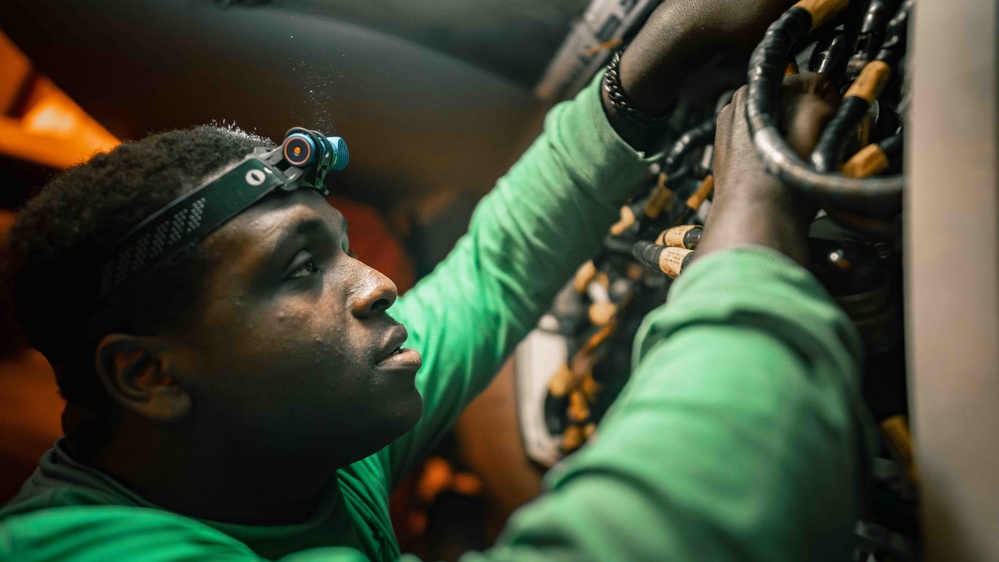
column 513, row 38
column 417, row 120
column 590, row 45
column 952, row 259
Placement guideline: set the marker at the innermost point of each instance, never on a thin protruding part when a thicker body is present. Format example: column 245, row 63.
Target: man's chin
column 351, row 444
column 403, row 419
column 410, row 414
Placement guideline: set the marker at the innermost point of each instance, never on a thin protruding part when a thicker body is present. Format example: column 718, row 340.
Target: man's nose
column 375, row 293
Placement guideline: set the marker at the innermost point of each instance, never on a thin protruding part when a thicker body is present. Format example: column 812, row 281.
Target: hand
column 750, row 205
column 670, row 53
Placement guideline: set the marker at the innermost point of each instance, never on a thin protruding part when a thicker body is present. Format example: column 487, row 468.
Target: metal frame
column 952, row 259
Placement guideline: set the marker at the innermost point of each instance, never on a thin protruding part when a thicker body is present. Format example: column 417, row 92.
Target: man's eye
column 305, row 270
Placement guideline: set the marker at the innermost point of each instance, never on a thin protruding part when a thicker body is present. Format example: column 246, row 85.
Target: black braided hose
column 858, row 99
column 766, row 70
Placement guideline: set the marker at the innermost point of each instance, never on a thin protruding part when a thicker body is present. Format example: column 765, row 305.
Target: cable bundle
column 821, row 176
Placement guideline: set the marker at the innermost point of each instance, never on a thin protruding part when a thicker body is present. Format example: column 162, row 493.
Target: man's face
column 292, row 351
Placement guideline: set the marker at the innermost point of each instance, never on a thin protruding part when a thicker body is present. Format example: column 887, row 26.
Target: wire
column 829, row 57
column 856, row 104
column 670, row 261
column 872, row 33
column 686, row 236
column 873, row 158
column 861, row 95
column 689, row 141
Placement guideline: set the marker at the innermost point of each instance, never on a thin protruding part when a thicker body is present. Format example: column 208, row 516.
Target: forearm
column 774, row 223
column 526, row 238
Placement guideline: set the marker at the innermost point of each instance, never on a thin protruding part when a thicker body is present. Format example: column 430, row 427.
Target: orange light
column 297, row 150
column 51, row 129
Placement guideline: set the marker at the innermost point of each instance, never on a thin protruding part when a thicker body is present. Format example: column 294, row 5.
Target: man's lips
column 403, row 359
column 397, row 357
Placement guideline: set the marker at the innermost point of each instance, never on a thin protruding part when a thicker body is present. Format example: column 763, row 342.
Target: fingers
column 732, row 128
column 723, row 134
column 803, row 121
column 808, row 101
column 724, row 123
column 738, row 170
column 738, row 105
column 810, row 83
column 750, row 205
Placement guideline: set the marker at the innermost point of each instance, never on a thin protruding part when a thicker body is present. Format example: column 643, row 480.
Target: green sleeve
column 111, row 533
column 740, row 436
column 101, row 533
column 526, row 238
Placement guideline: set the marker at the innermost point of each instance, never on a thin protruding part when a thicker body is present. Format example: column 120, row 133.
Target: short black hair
column 58, row 240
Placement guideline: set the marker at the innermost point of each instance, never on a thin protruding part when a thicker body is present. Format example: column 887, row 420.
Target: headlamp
column 302, row 161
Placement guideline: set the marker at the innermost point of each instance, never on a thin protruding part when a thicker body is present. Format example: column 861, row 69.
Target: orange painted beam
column 49, row 128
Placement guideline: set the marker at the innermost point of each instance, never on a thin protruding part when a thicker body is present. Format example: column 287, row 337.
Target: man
column 252, row 397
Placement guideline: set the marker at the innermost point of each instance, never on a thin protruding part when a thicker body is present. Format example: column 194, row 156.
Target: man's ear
column 132, row 370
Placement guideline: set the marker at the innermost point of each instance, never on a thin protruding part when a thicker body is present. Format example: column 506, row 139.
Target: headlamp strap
column 181, row 225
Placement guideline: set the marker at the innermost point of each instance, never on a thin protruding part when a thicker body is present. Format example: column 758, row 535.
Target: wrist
column 774, row 220
column 657, row 63
column 635, row 126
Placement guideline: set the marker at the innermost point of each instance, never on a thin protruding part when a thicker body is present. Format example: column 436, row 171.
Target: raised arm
column 550, row 211
column 739, row 436
column 742, row 434
column 542, row 220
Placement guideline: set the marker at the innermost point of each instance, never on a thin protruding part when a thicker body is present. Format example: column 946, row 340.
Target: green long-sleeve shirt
column 736, row 438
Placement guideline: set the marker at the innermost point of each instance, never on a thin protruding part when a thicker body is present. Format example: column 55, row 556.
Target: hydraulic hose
column 686, row 236
column 765, row 75
column 872, row 32
column 830, row 55
column 856, row 103
column 670, row 261
column 873, row 158
column 861, row 95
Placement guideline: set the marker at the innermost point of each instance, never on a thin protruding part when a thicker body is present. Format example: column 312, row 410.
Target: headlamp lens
column 299, row 150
